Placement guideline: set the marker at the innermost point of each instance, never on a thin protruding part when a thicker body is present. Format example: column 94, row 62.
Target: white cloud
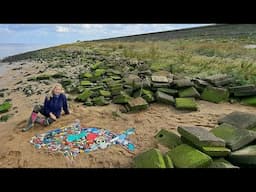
column 62, row 29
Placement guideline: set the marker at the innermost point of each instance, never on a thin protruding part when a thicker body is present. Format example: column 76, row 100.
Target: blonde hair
column 50, row 93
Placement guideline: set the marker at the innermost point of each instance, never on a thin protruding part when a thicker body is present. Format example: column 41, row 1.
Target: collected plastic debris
column 71, row 140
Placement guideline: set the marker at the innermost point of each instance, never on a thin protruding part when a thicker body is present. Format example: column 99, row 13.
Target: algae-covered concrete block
column 149, row 159
column 241, row 120
column 189, row 92
column 168, row 139
column 123, row 98
column 136, row 104
column 245, row 155
column 159, row 79
column 84, row 96
column 105, row 93
column 186, row 103
column 211, row 151
column 5, row 106
column 168, row 162
column 184, row 156
column 183, row 83
column 148, row 95
column 164, row 98
column 99, row 101
column 221, row 163
column 249, row 101
column 216, row 151
column 200, row 137
column 214, row 94
column 172, row 92
column 235, row 138
column 241, row 88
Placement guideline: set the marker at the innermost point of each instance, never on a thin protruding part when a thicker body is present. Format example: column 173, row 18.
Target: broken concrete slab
column 183, row 83
column 100, row 101
column 216, row 151
column 251, row 92
column 251, row 101
column 214, row 94
column 168, row 162
column 221, row 163
column 164, row 98
column 168, row 139
column 185, row 156
column 216, row 77
column 159, row 79
column 84, row 96
column 105, row 93
column 246, row 155
column 172, row 92
column 241, row 120
column 235, row 138
column 123, row 98
column 241, row 88
column 186, row 104
column 189, row 92
column 137, row 104
column 160, row 85
column 150, row 159
column 211, row 151
column 200, row 137
column 148, row 95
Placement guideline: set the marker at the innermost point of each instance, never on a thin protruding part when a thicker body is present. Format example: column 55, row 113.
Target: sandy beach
column 17, row 152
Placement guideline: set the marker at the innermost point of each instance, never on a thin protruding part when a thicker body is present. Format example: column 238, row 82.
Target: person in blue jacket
column 51, row 110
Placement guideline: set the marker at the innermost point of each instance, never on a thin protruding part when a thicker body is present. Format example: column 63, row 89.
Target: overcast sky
column 53, row 34
column 19, row 38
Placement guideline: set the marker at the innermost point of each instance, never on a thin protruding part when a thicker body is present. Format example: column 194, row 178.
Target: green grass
column 191, row 53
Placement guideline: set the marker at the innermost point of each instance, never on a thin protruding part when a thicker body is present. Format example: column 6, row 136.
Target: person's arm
column 65, row 105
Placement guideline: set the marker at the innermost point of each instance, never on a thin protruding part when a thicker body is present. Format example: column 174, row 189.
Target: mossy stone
column 214, row 94
column 5, row 106
column 168, row 139
column 184, row 156
column 189, row 92
column 149, row 159
column 186, row 103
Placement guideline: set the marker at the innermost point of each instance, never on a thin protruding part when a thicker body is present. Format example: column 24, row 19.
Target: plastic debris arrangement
column 72, row 140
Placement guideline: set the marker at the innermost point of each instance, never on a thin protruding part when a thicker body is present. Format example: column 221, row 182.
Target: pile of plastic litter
column 73, row 139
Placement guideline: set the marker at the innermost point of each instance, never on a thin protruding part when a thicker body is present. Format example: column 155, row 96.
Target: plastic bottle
column 77, row 124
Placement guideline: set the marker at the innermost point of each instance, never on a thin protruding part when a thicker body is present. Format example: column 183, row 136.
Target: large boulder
column 168, row 139
column 184, row 156
column 235, row 138
column 214, row 94
column 241, row 120
column 150, row 159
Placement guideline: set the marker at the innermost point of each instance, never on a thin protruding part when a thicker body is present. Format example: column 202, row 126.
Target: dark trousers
column 40, row 109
